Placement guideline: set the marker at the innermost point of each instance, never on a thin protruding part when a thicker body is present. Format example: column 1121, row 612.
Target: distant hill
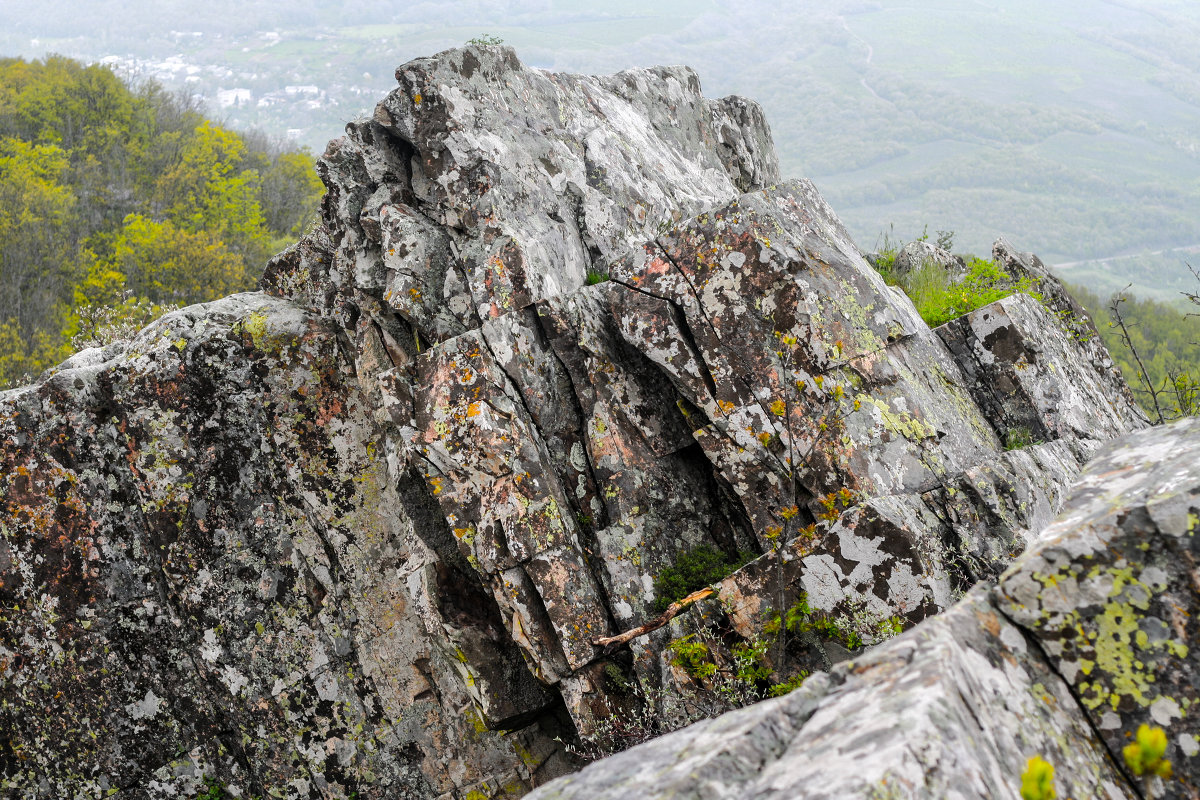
column 1068, row 127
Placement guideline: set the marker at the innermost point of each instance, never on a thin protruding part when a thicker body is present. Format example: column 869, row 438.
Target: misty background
column 1072, row 128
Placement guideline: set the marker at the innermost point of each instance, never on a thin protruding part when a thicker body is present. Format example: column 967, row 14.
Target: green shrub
column 595, row 276
column 750, row 661
column 939, row 298
column 862, row 627
column 692, row 656
column 693, row 571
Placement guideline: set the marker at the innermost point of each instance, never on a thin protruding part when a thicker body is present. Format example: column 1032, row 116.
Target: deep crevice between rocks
column 473, row 605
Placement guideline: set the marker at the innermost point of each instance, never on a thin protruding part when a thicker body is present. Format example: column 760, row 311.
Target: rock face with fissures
column 357, row 534
column 1087, row 637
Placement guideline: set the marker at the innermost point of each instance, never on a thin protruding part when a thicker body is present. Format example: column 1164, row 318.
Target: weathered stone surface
column 1034, row 386
column 1111, row 592
column 358, row 533
column 207, row 570
column 1092, row 630
column 915, row 255
column 952, row 709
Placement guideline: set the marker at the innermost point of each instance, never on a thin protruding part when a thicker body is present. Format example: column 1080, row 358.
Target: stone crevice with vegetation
column 362, row 531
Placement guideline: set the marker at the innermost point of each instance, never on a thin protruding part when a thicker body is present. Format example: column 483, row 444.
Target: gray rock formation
column 915, row 255
column 360, row 532
column 1086, row 637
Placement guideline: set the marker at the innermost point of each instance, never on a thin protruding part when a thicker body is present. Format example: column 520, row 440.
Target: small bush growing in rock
column 693, row 657
column 694, row 570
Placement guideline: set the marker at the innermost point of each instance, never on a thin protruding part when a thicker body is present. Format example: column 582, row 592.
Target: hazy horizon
column 1070, row 129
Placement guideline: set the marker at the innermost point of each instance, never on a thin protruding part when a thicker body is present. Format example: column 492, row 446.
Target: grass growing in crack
column 595, row 276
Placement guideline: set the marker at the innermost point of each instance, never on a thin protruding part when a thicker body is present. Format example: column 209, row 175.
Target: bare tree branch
column 1114, row 308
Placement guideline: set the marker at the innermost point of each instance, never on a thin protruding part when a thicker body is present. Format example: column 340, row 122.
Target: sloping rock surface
column 358, row 533
column 1089, row 635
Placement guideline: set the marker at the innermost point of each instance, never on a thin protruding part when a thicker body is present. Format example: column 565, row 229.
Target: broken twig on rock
column 610, row 643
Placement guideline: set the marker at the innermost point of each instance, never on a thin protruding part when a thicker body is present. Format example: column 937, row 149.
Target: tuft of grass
column 939, row 299
column 595, row 276
column 1018, row 438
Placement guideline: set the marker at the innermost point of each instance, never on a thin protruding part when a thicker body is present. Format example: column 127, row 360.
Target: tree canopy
column 126, row 196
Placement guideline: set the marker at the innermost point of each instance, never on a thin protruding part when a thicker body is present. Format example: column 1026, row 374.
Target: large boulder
column 361, row 532
column 916, row 255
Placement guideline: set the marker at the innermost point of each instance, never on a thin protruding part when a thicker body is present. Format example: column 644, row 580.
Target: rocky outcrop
column 360, row 532
column 915, row 255
column 1086, row 637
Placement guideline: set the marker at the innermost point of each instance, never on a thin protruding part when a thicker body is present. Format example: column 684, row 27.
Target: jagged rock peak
column 529, row 178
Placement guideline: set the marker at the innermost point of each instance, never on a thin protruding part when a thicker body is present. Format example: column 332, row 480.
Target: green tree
column 206, row 190
column 38, row 248
column 167, row 264
column 290, row 190
column 117, row 200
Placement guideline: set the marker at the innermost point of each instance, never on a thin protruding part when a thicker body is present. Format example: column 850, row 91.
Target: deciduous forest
column 117, row 200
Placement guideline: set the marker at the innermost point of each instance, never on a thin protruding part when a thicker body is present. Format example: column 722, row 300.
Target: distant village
column 268, row 97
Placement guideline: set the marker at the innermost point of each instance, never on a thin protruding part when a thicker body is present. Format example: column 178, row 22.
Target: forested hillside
column 1167, row 343
column 117, row 199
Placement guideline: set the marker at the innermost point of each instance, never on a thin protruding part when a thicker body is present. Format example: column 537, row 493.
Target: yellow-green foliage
column 692, row 656
column 1037, row 781
column 111, row 195
column 791, row 684
column 1144, row 756
column 940, row 299
column 834, row 503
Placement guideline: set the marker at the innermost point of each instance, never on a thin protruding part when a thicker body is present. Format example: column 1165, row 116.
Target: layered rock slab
column 1111, row 593
column 1089, row 635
